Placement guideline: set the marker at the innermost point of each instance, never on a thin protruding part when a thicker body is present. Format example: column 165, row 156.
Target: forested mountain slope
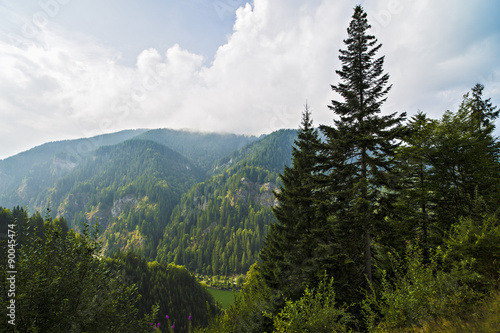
column 271, row 152
column 25, row 177
column 130, row 189
column 133, row 189
column 219, row 226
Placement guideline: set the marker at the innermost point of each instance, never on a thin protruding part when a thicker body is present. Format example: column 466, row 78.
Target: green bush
column 477, row 238
column 316, row 312
column 422, row 292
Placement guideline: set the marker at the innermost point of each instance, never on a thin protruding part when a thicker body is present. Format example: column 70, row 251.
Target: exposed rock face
column 120, row 204
column 60, row 166
column 261, row 194
column 266, row 195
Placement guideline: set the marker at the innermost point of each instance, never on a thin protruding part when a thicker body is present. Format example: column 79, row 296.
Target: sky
column 78, row 68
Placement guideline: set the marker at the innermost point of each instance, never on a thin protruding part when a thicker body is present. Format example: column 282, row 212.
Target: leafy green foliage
column 316, row 311
column 446, row 167
column 422, row 292
column 477, row 239
column 413, row 212
column 485, row 317
column 464, row 162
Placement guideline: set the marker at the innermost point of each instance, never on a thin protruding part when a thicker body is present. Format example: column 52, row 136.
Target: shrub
column 422, row 292
column 316, row 311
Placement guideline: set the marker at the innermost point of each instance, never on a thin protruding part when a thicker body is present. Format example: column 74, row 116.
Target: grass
column 225, row 297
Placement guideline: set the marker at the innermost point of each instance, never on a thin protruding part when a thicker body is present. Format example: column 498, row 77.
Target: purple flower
column 173, row 326
column 166, row 316
column 189, row 318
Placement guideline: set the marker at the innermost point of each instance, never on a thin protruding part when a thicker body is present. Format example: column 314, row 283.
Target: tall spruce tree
column 287, row 256
column 358, row 155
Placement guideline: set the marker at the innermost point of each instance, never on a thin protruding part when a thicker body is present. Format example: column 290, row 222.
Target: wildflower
column 189, row 318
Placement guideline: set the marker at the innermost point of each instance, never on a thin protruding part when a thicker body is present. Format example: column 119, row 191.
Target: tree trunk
column 365, row 220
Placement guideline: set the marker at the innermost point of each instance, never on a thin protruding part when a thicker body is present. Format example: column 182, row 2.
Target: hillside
column 219, row 226
column 130, row 189
column 26, row 177
column 166, row 194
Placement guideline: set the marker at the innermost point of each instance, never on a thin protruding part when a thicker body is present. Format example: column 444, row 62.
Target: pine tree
column 287, row 253
column 358, row 155
column 482, row 110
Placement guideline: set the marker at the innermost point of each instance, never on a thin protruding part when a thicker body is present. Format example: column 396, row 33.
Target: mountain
column 25, row 177
column 220, row 224
column 202, row 148
column 130, row 189
column 195, row 199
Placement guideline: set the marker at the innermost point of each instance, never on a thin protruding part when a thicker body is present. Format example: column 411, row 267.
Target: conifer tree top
column 363, row 84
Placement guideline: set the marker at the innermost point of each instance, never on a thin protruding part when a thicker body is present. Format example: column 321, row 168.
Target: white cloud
column 435, row 52
column 281, row 52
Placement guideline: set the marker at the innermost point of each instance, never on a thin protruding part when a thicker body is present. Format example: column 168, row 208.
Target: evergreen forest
column 376, row 222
